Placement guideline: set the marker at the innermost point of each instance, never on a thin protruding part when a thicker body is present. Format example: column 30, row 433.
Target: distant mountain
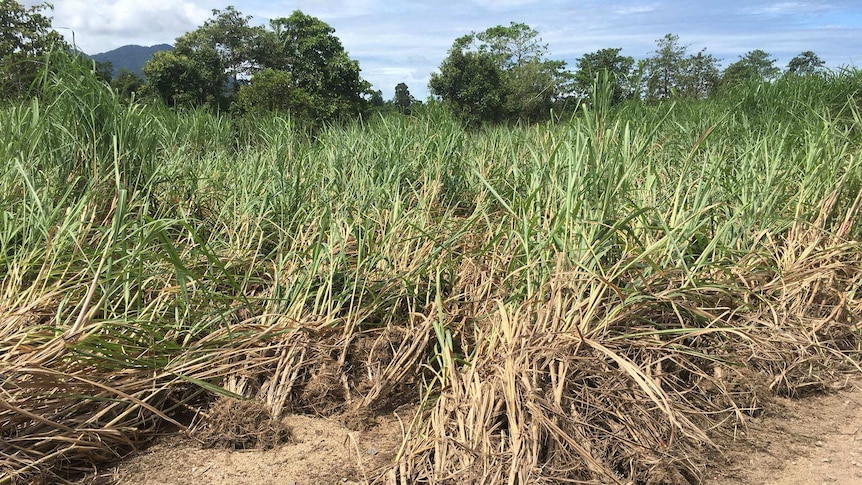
column 131, row 57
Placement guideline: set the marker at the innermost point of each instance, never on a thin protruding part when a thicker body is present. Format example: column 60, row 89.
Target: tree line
column 297, row 64
column 504, row 73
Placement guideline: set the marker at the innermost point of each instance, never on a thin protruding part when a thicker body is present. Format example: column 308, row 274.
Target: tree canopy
column 754, row 65
column 805, row 63
column 25, row 35
column 700, row 75
column 499, row 73
column 298, row 58
column 403, row 99
column 297, row 64
column 672, row 72
column 319, row 66
column 471, row 85
column 618, row 68
column 665, row 68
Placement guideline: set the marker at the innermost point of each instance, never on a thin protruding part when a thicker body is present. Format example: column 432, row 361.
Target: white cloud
column 503, row 4
column 635, row 9
column 332, row 9
column 100, row 25
column 130, row 16
column 788, row 8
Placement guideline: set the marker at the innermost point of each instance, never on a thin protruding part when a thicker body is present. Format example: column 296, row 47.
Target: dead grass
column 595, row 382
column 576, row 327
column 240, row 425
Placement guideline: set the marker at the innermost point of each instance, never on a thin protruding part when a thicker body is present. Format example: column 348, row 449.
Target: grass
column 598, row 299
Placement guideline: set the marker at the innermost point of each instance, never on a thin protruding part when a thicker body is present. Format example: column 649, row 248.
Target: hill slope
column 131, row 57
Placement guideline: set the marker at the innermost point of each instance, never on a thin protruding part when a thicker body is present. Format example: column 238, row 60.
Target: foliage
column 591, row 67
column 308, row 49
column 754, row 65
column 276, row 91
column 206, row 64
column 181, row 80
column 128, row 84
column 500, row 73
column 25, row 37
column 665, row 69
column 298, row 58
column 700, row 76
column 805, row 63
column 402, row 100
column 227, row 37
column 511, row 46
column 671, row 72
column 376, row 98
column 104, row 70
column 471, row 85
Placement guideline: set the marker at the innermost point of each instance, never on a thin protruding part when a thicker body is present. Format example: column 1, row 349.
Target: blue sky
column 404, row 41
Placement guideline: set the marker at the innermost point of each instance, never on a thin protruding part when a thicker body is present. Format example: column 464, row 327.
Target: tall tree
column 230, row 37
column 25, row 35
column 471, row 85
column 754, row 65
column 507, row 75
column 318, row 64
column 273, row 90
column 805, row 63
column 595, row 65
column 402, row 99
column 299, row 59
column 513, row 46
column 180, row 80
column 532, row 88
column 666, row 68
column 221, row 54
column 376, row 98
column 700, row 75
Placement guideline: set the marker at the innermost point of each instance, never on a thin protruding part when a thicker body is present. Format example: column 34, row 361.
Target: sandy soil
column 811, row 441
column 815, row 440
column 322, row 452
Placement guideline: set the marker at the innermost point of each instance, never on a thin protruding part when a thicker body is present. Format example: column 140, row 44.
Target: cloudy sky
column 404, row 41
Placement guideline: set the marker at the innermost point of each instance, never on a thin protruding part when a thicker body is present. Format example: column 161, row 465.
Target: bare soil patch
column 813, row 440
column 320, row 451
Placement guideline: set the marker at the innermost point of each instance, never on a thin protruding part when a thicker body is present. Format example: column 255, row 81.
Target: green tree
column 593, row 66
column 665, row 69
column 754, row 65
column 700, row 75
column 127, row 83
column 402, row 100
column 805, row 63
column 308, row 49
column 671, row 72
column 103, row 70
column 272, row 90
column 214, row 62
column 532, row 87
column 229, row 38
column 512, row 46
column 532, row 81
column 500, row 73
column 222, row 52
column 25, row 36
column 180, row 80
column 471, row 85
column 376, row 99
